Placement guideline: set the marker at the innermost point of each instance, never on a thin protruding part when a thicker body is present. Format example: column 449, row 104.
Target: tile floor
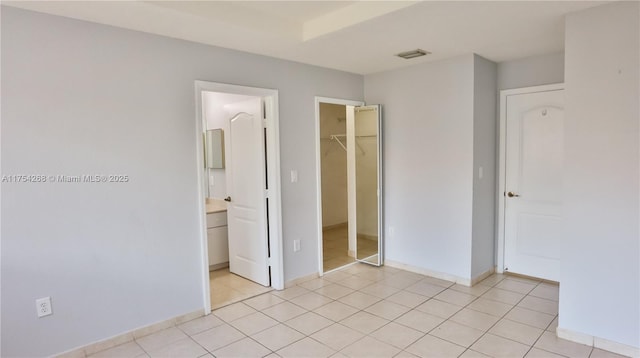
column 227, row 288
column 364, row 311
column 335, row 248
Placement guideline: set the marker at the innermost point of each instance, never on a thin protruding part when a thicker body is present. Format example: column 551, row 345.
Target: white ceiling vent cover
column 413, row 54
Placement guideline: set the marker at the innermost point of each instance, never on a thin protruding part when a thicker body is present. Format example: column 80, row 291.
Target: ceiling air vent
column 413, row 54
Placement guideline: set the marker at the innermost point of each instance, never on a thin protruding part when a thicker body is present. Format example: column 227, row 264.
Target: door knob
column 228, row 198
column 509, row 194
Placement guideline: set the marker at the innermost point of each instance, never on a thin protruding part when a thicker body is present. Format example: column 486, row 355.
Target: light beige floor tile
column 263, row 301
column 549, row 342
column 405, row 354
column 492, row 280
column 504, row 296
column 233, row 312
column 379, row 290
column 540, row 305
column 425, row 289
column 369, row 347
column 364, row 322
column 131, row 349
column 473, row 354
column 355, row 282
column 161, row 339
column 336, row 276
column 437, row 281
column 499, row 347
column 420, row 321
column 407, row 299
column 430, row 346
column 374, row 275
column 306, row 348
column 336, row 311
column 546, row 291
column 553, row 325
column 455, row 297
column 359, row 300
column 518, row 332
column 277, row 337
column 516, row 286
column 477, row 290
column 338, row 355
column 387, row 309
column 291, row 292
column 253, row 323
column 337, row 336
column 309, row 323
column 311, row 300
column 439, row 308
column 272, row 355
column 475, row 319
column 599, row 353
column 200, row 324
column 284, row 311
column 184, row 348
column 491, row 307
column 218, row 337
column 524, row 279
column 245, row 348
column 539, row 353
column 532, row 318
column 315, row 284
column 397, row 335
column 457, row 333
column 399, row 282
column 334, row 291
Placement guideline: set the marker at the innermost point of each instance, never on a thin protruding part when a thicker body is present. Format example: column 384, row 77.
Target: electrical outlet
column 43, row 306
column 296, row 245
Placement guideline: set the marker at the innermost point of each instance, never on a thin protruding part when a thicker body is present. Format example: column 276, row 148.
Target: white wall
column 333, row 160
column 484, row 159
column 81, row 98
column 428, row 162
column 600, row 259
column 531, row 71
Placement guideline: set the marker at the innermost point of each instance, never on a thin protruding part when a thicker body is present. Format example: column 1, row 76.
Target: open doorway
column 336, row 250
column 238, row 166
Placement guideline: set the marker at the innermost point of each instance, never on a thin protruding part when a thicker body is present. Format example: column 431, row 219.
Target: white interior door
column 246, row 211
column 533, row 183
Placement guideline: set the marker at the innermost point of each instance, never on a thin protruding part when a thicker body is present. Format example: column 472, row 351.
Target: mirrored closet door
column 364, row 176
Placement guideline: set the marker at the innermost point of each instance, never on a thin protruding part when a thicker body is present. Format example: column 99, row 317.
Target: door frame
column 318, row 100
column 270, row 97
column 502, row 165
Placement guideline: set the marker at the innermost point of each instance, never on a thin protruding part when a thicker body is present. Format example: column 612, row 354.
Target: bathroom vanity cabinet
column 218, row 240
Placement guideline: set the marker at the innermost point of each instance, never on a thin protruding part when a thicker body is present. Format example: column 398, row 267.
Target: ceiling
column 355, row 36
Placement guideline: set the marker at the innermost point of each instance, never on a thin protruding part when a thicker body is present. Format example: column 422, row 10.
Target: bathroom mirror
column 214, row 153
column 365, row 181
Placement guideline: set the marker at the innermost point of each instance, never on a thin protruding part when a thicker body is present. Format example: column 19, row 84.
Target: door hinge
column 264, row 123
column 266, row 193
column 269, row 261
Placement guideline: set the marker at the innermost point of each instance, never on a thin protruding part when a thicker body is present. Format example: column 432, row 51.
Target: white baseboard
column 423, row 271
column 482, row 276
column 597, row 342
column 299, row 280
column 129, row 336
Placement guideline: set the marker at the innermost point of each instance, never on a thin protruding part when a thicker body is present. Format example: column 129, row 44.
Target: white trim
column 435, row 274
column 502, row 164
column 273, row 171
column 319, row 100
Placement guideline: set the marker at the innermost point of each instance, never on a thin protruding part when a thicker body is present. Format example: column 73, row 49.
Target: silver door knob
column 228, row 198
column 509, row 194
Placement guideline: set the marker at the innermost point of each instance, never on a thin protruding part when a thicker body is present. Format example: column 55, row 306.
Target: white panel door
column 533, row 195
column 246, row 210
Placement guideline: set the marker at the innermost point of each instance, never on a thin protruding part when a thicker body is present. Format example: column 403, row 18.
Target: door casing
column 502, row 167
column 270, row 97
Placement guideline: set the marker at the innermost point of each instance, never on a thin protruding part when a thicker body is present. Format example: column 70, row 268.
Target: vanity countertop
column 215, row 205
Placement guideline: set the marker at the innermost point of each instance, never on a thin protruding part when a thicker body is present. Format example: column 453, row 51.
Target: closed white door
column 533, row 183
column 246, row 210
